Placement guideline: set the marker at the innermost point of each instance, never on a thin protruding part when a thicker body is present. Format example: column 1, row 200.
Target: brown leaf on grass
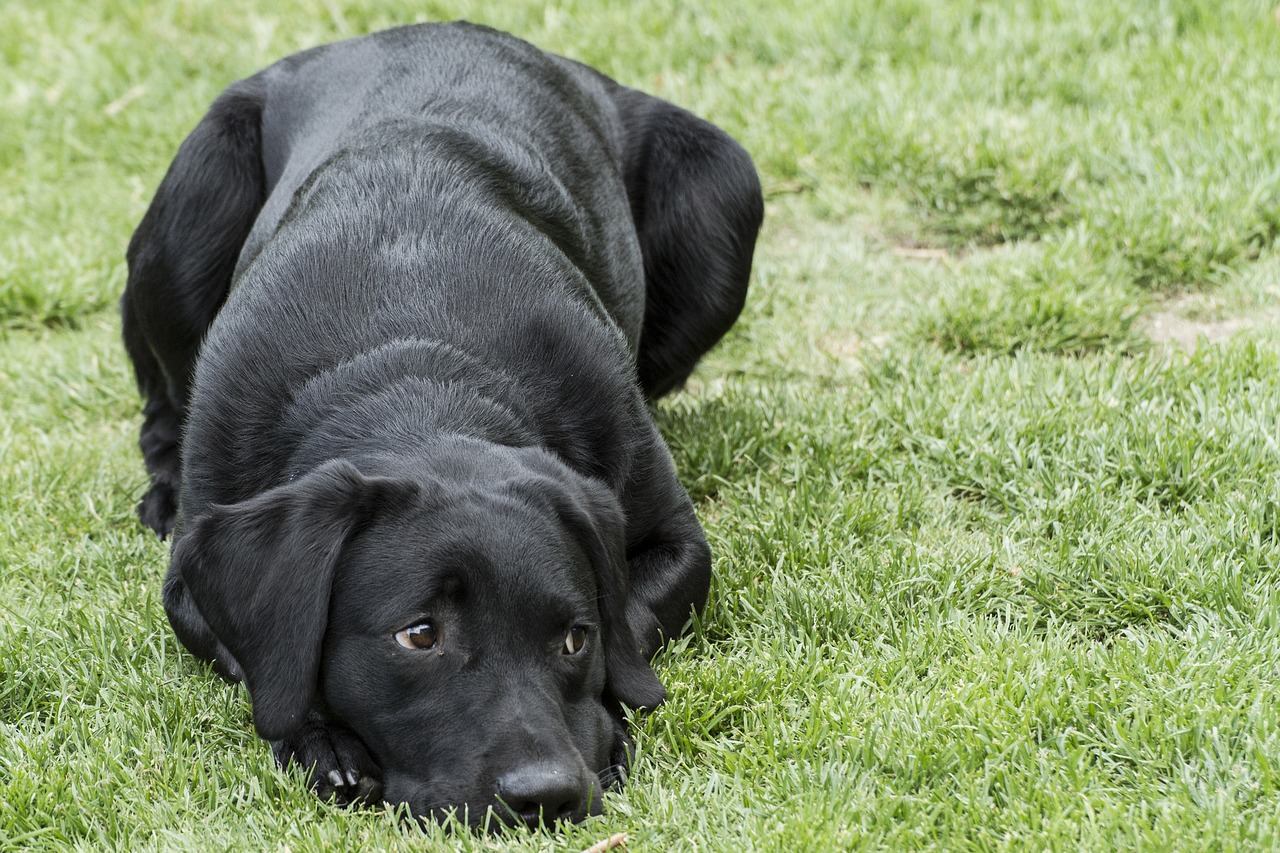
column 617, row 841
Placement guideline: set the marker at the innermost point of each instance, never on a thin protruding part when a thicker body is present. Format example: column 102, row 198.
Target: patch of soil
column 1172, row 328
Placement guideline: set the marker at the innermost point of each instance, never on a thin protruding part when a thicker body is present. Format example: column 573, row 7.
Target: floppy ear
column 260, row 573
column 593, row 513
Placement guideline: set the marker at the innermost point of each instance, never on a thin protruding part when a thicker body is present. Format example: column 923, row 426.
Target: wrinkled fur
column 395, row 311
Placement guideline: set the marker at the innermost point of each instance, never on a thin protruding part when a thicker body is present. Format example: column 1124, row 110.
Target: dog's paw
column 158, row 508
column 337, row 764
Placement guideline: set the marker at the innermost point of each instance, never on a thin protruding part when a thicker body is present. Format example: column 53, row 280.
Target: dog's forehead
column 469, row 546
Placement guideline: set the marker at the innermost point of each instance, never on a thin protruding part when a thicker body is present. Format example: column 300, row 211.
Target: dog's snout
column 546, row 792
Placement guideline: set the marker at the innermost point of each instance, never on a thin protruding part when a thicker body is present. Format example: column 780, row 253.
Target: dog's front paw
column 159, row 508
column 337, row 764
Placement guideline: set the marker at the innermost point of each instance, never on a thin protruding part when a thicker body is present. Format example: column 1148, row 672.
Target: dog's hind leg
column 181, row 260
column 697, row 206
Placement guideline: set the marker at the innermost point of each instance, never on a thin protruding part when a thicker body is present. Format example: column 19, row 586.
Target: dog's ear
column 260, row 573
column 593, row 513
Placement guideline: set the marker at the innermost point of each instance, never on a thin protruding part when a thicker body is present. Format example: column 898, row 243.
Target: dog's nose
column 544, row 792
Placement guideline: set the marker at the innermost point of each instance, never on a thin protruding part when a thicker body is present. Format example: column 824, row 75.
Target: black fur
column 395, row 310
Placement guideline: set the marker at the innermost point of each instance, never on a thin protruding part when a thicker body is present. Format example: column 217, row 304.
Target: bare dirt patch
column 1180, row 323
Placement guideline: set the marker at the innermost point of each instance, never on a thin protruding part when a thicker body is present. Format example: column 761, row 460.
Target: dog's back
column 438, row 111
column 407, row 205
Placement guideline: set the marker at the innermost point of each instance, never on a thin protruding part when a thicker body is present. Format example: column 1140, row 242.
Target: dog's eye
column 418, row 637
column 575, row 640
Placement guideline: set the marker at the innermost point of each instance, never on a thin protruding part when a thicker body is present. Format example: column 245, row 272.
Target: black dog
column 395, row 310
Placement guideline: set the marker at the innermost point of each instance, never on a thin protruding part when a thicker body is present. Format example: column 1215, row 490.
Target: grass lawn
column 991, row 465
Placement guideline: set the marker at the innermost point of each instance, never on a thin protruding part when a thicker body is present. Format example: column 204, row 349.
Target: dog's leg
column 161, row 426
column 181, row 260
column 668, row 559
column 669, row 578
column 697, row 206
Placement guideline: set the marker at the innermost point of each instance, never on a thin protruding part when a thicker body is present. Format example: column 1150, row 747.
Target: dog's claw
column 338, row 766
column 368, row 790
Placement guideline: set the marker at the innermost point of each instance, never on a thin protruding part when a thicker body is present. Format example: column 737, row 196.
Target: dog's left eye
column 574, row 640
column 418, row 637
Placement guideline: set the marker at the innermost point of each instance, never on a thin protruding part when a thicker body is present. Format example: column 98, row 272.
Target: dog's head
column 467, row 622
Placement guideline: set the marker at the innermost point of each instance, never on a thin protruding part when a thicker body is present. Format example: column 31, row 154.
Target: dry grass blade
column 617, row 841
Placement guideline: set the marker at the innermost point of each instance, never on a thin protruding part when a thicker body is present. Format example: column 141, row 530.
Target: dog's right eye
column 418, row 637
column 574, row 640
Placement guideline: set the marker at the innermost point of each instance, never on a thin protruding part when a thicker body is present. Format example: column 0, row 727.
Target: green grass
column 996, row 566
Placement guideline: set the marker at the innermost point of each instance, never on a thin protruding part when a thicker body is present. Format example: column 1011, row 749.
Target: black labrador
column 395, row 311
